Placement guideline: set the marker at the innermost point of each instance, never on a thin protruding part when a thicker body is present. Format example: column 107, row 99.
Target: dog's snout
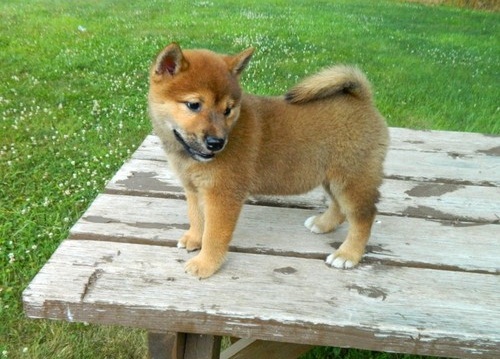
column 214, row 143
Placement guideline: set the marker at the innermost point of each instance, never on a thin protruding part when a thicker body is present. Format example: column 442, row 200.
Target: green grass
column 73, row 84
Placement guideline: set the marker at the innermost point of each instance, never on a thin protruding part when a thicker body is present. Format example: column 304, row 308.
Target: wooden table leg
column 202, row 346
column 183, row 346
column 166, row 345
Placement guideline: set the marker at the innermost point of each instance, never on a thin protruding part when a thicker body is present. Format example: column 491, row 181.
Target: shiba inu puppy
column 225, row 145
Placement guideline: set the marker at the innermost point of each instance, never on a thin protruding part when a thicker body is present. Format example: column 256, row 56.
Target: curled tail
column 330, row 82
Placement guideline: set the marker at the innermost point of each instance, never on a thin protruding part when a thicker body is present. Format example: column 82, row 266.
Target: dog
column 226, row 145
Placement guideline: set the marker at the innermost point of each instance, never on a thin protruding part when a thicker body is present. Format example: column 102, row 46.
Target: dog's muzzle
column 213, row 144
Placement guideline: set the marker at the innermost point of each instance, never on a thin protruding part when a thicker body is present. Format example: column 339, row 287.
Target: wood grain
column 272, row 230
column 413, row 310
column 401, row 197
column 430, row 156
column 429, row 283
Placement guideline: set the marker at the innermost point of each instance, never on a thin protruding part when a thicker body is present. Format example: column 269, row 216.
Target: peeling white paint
column 69, row 315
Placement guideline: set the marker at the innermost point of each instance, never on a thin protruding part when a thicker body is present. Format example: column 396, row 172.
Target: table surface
column 428, row 284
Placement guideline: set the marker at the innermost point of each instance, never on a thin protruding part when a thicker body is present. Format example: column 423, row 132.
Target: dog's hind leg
column 358, row 202
column 330, row 219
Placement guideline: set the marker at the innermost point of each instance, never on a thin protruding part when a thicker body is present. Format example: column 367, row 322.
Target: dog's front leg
column 191, row 240
column 221, row 209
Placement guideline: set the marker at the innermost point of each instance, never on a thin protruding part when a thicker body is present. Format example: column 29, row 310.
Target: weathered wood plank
column 252, row 348
column 143, row 177
column 410, row 241
column 150, row 149
column 440, row 201
column 154, row 178
column 434, row 156
column 409, row 198
column 461, row 143
column 465, row 143
column 443, row 167
column 377, row 307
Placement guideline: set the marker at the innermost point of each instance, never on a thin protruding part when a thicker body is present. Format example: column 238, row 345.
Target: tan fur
column 325, row 131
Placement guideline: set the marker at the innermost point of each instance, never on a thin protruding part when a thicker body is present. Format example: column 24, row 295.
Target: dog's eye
column 193, row 106
column 227, row 111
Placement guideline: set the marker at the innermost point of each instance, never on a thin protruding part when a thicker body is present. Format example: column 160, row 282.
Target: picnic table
column 428, row 284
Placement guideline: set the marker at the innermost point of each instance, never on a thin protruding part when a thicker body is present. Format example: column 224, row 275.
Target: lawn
column 73, row 85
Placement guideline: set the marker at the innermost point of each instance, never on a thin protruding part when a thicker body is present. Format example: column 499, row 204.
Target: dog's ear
column 238, row 63
column 170, row 61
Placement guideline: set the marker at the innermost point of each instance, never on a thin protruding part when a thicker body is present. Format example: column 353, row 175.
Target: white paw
column 180, row 244
column 339, row 262
column 309, row 224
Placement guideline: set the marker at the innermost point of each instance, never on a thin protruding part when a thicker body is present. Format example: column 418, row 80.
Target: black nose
column 214, row 143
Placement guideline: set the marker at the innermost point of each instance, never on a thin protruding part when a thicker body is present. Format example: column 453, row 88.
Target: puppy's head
column 195, row 97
